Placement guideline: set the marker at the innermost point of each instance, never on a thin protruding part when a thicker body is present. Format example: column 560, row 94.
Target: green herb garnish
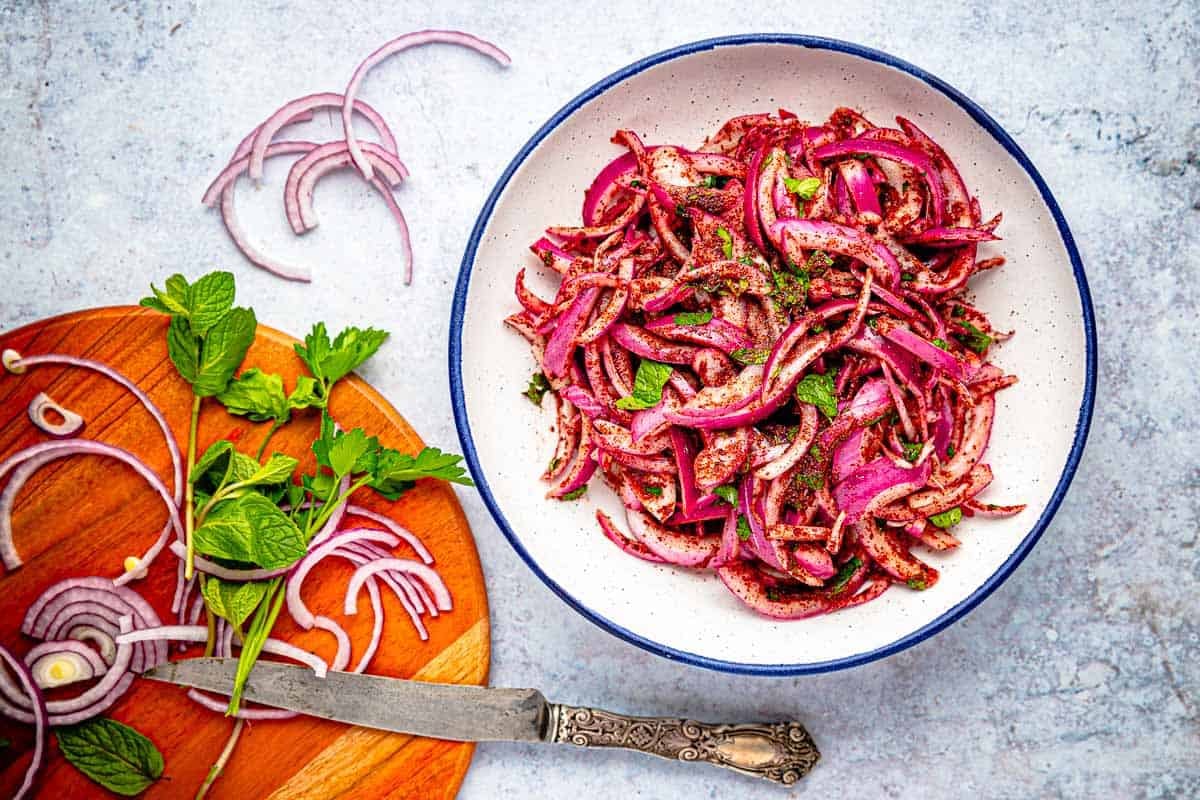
column 750, row 355
column 941, row 343
column 820, row 392
column 726, row 493
column 575, row 495
column 726, row 242
column 113, row 755
column 843, row 576
column 950, row 451
column 743, row 528
column 947, row 519
column 693, row 317
column 653, row 491
column 907, row 277
column 916, row 584
column 647, row 386
column 715, row 181
column 912, row 450
column 804, row 188
column 538, row 386
column 974, row 339
column 773, row 594
column 812, row 480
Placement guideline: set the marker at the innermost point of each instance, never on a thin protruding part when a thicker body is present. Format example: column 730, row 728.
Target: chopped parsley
column 916, row 584
column 818, row 262
column 693, row 317
column 553, row 465
column 818, row 328
column 804, row 188
column 872, row 322
column 773, row 594
column 750, row 355
column 947, row 519
column 820, row 392
column 815, row 451
column 653, row 491
column 715, row 181
column 912, row 450
column 941, row 343
column 635, row 183
column 974, row 339
column 950, row 451
column 907, row 277
column 958, row 312
column 647, row 386
column 538, row 386
column 726, row 242
column 743, row 528
column 844, row 574
column 726, row 493
column 575, row 495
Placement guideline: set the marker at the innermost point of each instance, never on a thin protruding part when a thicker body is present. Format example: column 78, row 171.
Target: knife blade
column 782, row 752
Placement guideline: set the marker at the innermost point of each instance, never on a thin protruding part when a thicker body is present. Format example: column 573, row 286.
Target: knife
column 782, row 752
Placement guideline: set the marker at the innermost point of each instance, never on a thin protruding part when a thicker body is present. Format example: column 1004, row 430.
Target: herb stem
column 211, row 641
column 189, row 516
column 332, row 505
column 262, row 448
column 223, row 759
column 256, row 637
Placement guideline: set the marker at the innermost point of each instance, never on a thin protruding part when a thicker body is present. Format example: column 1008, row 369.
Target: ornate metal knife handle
column 783, row 752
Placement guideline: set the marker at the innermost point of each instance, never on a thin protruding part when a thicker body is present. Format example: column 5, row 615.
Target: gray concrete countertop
column 1078, row 678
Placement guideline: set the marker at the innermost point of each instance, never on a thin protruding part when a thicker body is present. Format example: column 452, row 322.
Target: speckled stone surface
column 1078, row 678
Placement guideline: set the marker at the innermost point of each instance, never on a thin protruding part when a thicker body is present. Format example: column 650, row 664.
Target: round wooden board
column 82, row 515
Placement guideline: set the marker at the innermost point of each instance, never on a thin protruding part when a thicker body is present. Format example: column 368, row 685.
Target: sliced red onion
column 86, row 661
column 803, row 440
column 393, row 527
column 307, row 104
column 299, row 571
column 883, row 547
column 674, row 548
column 242, row 242
column 32, row 458
column 199, row 634
column 792, row 236
column 227, row 178
column 38, row 718
column 225, row 573
column 69, row 425
column 397, row 45
column 629, row 545
column 877, row 484
column 427, row 576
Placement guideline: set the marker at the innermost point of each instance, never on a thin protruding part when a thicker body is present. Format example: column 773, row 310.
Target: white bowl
column 678, row 97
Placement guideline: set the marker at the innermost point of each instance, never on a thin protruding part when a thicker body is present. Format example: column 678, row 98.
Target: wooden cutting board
column 82, row 515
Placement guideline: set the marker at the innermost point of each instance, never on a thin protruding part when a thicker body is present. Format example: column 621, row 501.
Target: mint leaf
column 241, row 468
column 750, row 355
column 173, row 301
column 844, row 574
column 257, row 395
column 726, row 242
column 209, row 298
column 394, row 472
column 331, row 361
column 941, row 343
column 233, row 600
column 184, row 349
column 212, row 457
column 693, row 317
column 647, row 386
column 743, row 528
column 912, row 450
column 947, row 519
column 251, row 529
column 225, row 346
column 726, row 493
column 804, row 188
column 113, row 755
column 819, row 391
column 653, row 491
column 538, row 386
column 278, row 469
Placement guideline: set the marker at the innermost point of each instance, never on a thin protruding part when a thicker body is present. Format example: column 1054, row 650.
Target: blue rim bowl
column 984, row 120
